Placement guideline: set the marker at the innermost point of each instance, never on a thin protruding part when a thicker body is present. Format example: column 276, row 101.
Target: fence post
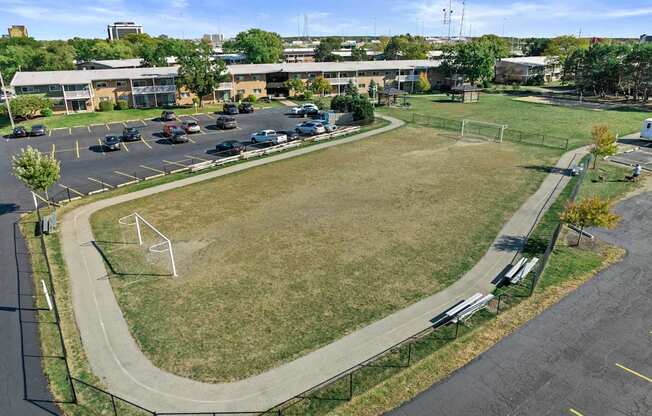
column 350, row 386
column 68, row 190
column 409, row 354
column 500, row 297
column 115, row 411
column 566, row 144
column 457, row 327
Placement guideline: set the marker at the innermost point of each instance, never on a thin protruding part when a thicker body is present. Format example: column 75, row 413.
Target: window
column 121, row 83
column 258, row 91
column 254, row 77
column 185, row 95
column 241, row 92
column 296, row 76
column 240, row 77
column 55, row 87
column 27, row 89
column 649, row 125
column 105, row 98
column 362, row 85
column 101, row 84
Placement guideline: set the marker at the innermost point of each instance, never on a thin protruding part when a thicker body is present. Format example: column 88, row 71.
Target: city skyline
column 48, row 19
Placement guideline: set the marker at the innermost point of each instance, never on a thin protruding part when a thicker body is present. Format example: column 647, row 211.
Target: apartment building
column 119, row 30
column 83, row 90
column 523, row 69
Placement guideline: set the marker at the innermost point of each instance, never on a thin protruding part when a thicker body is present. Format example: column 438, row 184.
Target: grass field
column 84, row 119
column 572, row 123
column 279, row 260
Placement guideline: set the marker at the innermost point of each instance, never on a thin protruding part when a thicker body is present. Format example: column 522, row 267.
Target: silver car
column 310, row 128
column 190, row 126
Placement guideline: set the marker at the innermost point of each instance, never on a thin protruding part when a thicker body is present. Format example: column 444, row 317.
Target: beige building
column 525, row 69
column 17, row 31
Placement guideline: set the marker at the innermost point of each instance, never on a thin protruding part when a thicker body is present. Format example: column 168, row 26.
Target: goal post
column 162, row 247
column 468, row 125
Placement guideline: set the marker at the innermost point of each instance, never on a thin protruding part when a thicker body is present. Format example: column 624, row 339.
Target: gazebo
column 465, row 93
column 391, row 96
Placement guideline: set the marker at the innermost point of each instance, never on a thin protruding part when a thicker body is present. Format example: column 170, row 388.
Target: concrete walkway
column 115, row 357
column 288, row 103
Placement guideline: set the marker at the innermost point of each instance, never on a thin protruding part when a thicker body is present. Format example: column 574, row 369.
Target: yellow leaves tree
column 589, row 212
column 604, row 142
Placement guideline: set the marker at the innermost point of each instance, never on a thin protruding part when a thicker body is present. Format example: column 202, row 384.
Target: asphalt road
column 86, row 166
column 591, row 354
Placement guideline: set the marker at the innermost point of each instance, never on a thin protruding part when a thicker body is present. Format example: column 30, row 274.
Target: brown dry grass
column 281, row 259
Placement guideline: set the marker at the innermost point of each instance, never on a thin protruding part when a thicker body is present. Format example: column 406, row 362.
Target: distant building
column 17, row 31
column 119, row 30
column 216, row 39
column 523, row 69
column 646, row 38
column 118, row 63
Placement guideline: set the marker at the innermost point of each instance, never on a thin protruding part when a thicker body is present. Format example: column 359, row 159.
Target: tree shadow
column 545, row 169
column 509, row 243
column 8, row 208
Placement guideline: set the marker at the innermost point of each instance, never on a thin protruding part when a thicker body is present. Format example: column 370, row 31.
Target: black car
column 19, row 131
column 311, row 111
column 246, row 108
column 226, row 122
column 178, row 136
column 131, row 134
column 38, row 130
column 229, row 148
column 168, row 116
column 292, row 135
column 230, row 109
column 112, row 142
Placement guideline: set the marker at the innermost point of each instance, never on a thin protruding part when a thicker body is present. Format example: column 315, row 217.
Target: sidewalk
column 117, row 360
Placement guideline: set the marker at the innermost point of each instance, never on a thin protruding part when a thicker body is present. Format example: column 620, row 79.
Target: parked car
column 226, row 122
column 131, row 134
column 246, row 108
column 169, row 128
column 268, row 136
column 305, row 109
column 230, row 109
column 330, row 127
column 178, row 136
column 310, row 128
column 19, row 131
column 112, row 142
column 292, row 135
column 38, row 130
column 190, row 126
column 168, row 116
column 230, row 148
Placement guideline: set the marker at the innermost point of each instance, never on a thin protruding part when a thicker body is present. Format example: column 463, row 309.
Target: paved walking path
column 288, row 103
column 115, row 357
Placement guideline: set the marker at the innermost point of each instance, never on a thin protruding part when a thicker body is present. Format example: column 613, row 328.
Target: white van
column 646, row 131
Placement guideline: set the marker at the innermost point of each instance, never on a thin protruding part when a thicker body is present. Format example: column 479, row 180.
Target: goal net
column 483, row 129
column 151, row 237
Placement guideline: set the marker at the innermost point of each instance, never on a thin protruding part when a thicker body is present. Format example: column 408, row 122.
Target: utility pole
column 462, row 19
column 4, row 92
column 448, row 17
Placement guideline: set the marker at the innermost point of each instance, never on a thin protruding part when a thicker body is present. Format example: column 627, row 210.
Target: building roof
column 528, row 60
column 86, row 76
column 117, row 63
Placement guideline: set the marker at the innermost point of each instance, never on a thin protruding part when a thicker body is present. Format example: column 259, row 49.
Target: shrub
column 121, row 105
column 251, row 98
column 307, row 95
column 106, row 105
column 27, row 106
column 239, row 97
column 320, row 103
column 47, row 112
column 363, row 110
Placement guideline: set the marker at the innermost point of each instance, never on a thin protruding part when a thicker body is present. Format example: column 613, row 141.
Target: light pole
column 4, row 92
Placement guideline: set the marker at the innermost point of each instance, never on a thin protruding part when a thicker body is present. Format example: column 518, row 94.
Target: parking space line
column 107, row 127
column 174, row 163
column 50, row 133
column 89, row 128
column 77, row 148
column 143, row 121
column 197, row 157
column 191, row 140
column 53, row 151
column 125, row 174
column 101, row 146
column 72, row 190
column 124, row 124
column 575, row 412
column 152, row 169
column 69, row 130
column 125, row 145
column 146, row 144
column 104, row 184
column 192, row 117
column 637, row 374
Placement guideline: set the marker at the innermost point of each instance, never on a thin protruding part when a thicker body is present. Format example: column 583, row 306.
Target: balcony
column 341, row 81
column 77, row 95
column 275, row 85
column 407, row 78
column 225, row 86
column 154, row 89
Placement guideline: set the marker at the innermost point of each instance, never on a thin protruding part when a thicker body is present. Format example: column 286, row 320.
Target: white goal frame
column 156, row 247
column 502, row 127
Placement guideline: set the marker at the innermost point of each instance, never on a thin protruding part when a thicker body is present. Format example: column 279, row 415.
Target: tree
column 27, row 106
column 589, row 212
column 363, row 109
column 373, row 90
column 320, row 85
column 474, row 60
column 199, row 72
column 325, row 49
column 561, row 47
column 260, row 47
column 358, row 54
column 604, row 142
column 423, row 84
column 296, row 86
column 36, row 170
column 499, row 47
column 351, row 88
column 535, row 46
column 406, row 47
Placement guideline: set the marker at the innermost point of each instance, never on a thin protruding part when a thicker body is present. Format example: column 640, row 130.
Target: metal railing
column 79, row 94
column 154, row 89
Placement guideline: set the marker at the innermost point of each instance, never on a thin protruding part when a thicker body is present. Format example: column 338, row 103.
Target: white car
column 330, row 127
column 191, row 126
column 310, row 128
column 307, row 108
column 268, row 136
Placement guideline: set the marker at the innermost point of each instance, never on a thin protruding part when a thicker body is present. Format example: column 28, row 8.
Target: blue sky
column 62, row 19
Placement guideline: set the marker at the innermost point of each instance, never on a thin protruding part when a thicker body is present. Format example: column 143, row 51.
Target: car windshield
column 111, row 138
column 191, row 123
column 37, row 127
column 131, row 130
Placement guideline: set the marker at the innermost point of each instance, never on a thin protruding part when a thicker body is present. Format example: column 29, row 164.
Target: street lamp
column 4, row 92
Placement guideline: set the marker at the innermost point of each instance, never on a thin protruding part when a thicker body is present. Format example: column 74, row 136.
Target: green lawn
column 571, row 123
column 316, row 247
column 84, row 119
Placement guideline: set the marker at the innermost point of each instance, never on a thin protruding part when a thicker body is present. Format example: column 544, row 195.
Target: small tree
column 351, row 88
column 320, row 85
column 589, row 212
column 200, row 73
column 36, row 170
column 295, row 86
column 604, row 142
column 27, row 106
column 423, row 84
column 373, row 90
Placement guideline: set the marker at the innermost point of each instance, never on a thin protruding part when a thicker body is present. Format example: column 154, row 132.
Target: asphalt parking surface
column 642, row 155
column 591, row 354
column 87, row 167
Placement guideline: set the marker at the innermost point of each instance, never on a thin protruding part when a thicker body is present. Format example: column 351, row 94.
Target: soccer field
column 279, row 260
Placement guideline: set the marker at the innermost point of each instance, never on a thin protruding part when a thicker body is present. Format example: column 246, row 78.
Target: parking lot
column 641, row 153
column 87, row 167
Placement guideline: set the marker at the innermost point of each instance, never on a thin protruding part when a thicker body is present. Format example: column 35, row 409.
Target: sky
column 57, row 19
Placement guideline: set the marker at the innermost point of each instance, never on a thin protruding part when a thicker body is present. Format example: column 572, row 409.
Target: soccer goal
column 484, row 129
column 162, row 247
